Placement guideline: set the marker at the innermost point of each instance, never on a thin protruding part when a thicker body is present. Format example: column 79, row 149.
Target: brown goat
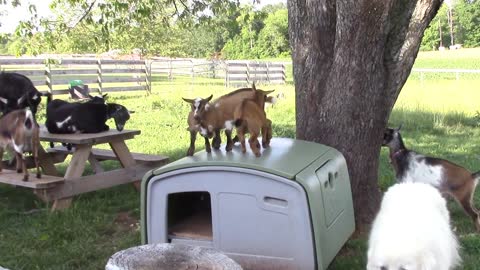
column 220, row 114
column 20, row 133
column 209, row 118
column 447, row 177
column 250, row 117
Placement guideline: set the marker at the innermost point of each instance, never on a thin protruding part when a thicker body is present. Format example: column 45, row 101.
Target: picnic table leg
column 46, row 162
column 125, row 157
column 74, row 170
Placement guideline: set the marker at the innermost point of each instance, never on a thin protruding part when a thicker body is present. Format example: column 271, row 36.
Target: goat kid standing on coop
column 19, row 131
column 447, row 177
column 209, row 118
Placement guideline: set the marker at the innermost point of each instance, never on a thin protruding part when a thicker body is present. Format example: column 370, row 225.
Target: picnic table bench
column 61, row 188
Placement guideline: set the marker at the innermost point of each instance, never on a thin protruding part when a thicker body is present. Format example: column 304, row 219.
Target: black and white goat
column 18, row 92
column 88, row 117
column 446, row 176
column 19, row 132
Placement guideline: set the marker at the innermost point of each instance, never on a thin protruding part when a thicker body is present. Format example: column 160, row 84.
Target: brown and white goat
column 20, row 133
column 209, row 118
column 198, row 105
column 220, row 114
column 250, row 117
column 448, row 177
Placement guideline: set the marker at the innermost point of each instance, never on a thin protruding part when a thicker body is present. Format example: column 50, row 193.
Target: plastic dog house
column 291, row 208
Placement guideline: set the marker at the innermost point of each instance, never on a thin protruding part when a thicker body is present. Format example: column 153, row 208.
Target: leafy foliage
column 466, row 25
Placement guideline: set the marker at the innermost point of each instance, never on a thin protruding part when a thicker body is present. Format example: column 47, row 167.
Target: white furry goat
column 412, row 231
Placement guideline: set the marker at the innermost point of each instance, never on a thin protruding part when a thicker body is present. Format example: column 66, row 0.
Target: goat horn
column 209, row 98
column 399, row 127
column 131, row 111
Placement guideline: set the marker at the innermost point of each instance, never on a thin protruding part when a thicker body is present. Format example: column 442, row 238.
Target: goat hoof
column 25, row 179
column 39, row 175
column 209, row 150
column 258, row 154
column 19, row 170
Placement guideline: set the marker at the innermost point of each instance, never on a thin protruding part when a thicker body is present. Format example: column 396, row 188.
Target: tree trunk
column 350, row 60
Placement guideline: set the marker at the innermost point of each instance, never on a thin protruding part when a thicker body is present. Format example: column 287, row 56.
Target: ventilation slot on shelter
column 189, row 216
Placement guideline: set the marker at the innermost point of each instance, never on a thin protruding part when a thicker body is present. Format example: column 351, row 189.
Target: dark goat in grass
column 18, row 92
column 20, row 133
column 448, row 177
column 88, row 117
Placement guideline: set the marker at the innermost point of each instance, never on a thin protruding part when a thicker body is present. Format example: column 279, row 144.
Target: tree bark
column 350, row 61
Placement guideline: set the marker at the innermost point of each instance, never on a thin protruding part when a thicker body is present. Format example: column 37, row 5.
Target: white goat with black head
column 448, row 177
column 412, row 231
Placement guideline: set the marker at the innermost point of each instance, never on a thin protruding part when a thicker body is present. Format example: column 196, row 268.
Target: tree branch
column 407, row 23
column 86, row 13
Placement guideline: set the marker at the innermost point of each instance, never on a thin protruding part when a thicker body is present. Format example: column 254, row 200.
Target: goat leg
column 207, row 145
column 217, row 140
column 19, row 162
column 266, row 134
column 193, row 137
column 254, row 144
column 241, row 139
column 467, row 204
column 35, row 158
column 229, row 146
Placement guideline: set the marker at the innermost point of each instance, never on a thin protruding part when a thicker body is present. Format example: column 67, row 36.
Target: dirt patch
column 126, row 222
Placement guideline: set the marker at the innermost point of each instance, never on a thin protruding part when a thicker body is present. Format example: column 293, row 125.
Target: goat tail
column 29, row 121
column 238, row 122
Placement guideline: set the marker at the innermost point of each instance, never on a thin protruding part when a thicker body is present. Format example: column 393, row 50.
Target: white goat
column 412, row 231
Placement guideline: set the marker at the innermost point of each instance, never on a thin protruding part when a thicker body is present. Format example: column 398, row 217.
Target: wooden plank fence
column 248, row 72
column 101, row 75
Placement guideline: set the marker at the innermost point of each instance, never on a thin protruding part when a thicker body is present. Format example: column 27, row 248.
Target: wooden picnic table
column 61, row 189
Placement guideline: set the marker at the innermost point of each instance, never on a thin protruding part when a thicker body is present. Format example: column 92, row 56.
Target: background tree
column 350, row 61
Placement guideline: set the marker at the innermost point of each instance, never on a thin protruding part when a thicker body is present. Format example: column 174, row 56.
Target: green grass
column 439, row 118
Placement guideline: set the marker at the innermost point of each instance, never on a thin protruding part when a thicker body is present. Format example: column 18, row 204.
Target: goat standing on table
column 20, row 132
column 412, row 231
column 18, row 92
column 89, row 117
column 448, row 177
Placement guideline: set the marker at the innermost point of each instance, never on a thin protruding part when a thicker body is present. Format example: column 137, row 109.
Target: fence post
column 99, row 76
column 148, row 76
column 227, row 84
column 48, row 76
column 193, row 72
column 248, row 73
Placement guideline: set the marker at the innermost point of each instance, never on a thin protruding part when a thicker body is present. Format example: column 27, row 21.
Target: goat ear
column 104, row 96
column 268, row 92
column 399, row 127
column 131, row 112
column 188, row 100
column 209, row 98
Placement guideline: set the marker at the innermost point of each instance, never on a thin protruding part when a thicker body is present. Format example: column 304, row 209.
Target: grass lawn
column 439, row 118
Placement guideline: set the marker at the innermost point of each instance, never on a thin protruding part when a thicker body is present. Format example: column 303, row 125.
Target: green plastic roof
column 285, row 157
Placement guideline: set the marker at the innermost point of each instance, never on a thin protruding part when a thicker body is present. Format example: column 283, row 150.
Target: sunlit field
column 439, row 117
